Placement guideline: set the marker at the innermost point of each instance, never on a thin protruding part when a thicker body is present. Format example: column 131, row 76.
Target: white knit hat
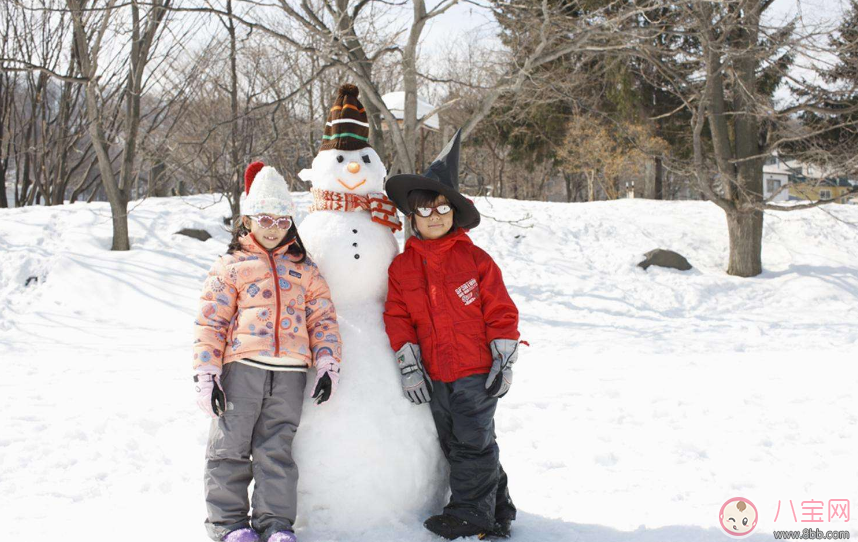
column 266, row 192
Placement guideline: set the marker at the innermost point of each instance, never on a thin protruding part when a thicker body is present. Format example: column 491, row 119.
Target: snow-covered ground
column 645, row 401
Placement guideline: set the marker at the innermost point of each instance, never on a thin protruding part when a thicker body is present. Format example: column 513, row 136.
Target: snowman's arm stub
column 321, row 317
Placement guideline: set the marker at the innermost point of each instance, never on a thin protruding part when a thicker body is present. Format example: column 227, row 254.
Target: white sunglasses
column 426, row 212
column 265, row 221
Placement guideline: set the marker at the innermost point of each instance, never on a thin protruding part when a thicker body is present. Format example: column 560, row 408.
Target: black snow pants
column 464, row 416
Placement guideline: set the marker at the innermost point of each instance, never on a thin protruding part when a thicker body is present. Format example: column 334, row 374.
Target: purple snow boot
column 241, row 535
column 283, row 536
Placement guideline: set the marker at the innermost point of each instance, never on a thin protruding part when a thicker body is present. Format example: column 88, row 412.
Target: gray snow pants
column 253, row 440
column 464, row 416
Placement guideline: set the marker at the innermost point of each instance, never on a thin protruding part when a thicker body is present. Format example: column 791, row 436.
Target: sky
column 466, row 18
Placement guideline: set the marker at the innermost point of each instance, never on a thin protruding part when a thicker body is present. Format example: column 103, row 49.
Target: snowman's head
column 353, row 172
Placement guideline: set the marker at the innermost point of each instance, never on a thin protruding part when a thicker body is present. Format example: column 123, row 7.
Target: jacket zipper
column 276, row 298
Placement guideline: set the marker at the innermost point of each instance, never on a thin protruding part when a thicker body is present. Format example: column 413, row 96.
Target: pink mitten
column 210, row 396
column 327, row 379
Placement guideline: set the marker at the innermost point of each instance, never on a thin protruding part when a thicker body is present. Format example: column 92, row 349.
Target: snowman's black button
column 354, row 231
column 357, row 256
column 354, row 244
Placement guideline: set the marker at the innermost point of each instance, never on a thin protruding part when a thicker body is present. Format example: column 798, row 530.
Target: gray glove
column 504, row 354
column 416, row 384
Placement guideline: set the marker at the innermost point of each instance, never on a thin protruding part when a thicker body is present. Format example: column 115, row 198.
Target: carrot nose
column 353, row 167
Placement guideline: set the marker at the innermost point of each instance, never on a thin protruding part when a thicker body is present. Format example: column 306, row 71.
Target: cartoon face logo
column 738, row 516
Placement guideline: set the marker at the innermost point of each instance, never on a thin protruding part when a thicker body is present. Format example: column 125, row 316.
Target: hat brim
column 398, row 187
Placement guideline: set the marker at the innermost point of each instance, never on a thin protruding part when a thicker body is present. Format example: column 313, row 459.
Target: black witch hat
column 441, row 176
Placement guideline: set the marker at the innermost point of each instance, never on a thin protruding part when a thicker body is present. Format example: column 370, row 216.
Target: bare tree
column 720, row 62
column 255, row 109
column 47, row 136
column 346, row 34
column 8, row 86
column 91, row 23
column 743, row 61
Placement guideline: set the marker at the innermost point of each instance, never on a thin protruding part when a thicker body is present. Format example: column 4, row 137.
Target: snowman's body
column 368, row 456
column 353, row 253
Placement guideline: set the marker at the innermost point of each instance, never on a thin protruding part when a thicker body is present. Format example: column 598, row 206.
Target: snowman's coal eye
column 365, row 159
column 340, row 158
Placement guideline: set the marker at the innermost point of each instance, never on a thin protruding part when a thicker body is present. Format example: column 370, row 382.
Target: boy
column 455, row 332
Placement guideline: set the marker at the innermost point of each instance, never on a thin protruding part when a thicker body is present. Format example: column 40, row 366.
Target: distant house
column 776, row 176
column 395, row 102
column 805, row 189
column 853, row 199
column 804, row 181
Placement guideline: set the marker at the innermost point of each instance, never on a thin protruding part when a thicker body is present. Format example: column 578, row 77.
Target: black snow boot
column 451, row 527
column 501, row 529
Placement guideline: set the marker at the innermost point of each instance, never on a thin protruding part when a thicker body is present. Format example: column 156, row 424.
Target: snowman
column 368, row 456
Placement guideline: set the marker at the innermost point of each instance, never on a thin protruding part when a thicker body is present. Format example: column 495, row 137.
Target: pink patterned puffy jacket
column 256, row 303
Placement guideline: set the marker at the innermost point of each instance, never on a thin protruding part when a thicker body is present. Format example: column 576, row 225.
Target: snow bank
column 645, row 401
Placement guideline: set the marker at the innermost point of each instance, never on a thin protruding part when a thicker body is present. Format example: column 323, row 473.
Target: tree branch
column 28, row 67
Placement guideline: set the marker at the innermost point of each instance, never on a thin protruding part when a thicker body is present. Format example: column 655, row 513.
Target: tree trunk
column 158, row 185
column 567, row 184
column 653, row 180
column 746, row 239
column 87, row 62
column 500, row 186
column 236, row 177
column 85, row 184
column 6, row 92
column 4, row 202
column 591, row 187
column 115, row 195
column 119, row 210
column 235, row 208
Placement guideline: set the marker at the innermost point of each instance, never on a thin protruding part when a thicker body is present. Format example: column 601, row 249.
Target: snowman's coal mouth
column 351, row 187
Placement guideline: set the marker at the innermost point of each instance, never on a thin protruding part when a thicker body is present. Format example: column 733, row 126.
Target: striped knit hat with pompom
column 347, row 128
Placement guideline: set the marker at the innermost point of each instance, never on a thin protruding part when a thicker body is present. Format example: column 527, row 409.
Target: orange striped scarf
column 382, row 209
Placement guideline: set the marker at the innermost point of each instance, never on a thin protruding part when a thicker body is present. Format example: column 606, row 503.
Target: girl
column 455, row 332
column 265, row 317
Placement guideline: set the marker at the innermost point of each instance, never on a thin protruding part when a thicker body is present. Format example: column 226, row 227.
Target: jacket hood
column 250, row 244
column 437, row 246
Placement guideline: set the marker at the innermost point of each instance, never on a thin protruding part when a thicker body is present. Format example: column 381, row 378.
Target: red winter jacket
column 448, row 296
